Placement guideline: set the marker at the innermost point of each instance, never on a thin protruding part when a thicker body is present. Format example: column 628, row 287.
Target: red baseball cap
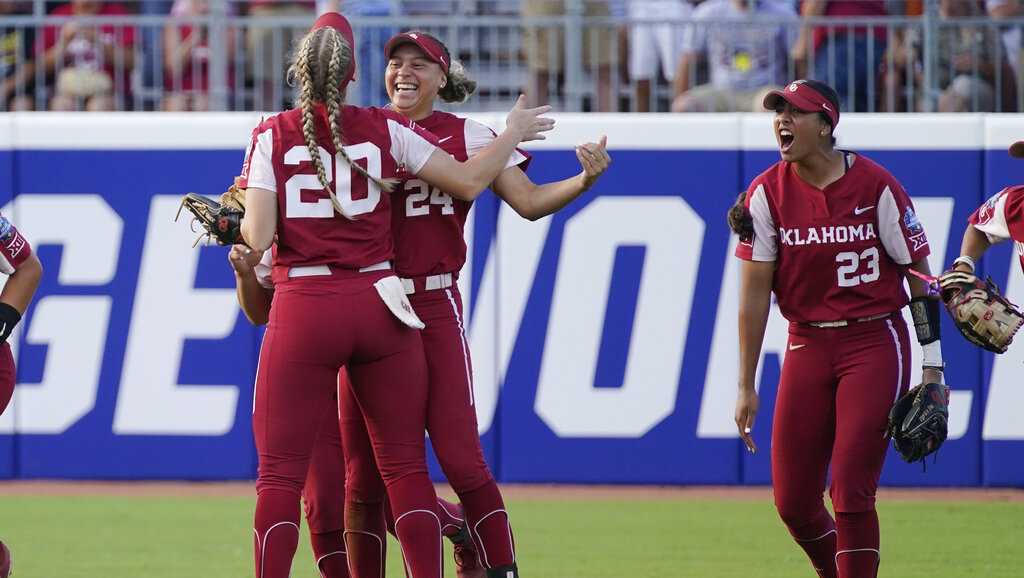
column 340, row 23
column 434, row 50
column 806, row 95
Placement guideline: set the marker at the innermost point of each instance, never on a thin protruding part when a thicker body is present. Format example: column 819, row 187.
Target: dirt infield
column 511, row 491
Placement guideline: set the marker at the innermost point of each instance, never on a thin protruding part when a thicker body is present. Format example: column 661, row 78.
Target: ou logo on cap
column 793, row 87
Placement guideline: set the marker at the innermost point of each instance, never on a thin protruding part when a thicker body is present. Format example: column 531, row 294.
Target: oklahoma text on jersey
column 827, row 235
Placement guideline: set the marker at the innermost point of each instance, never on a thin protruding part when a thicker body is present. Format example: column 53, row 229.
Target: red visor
column 432, row 48
column 802, row 96
column 340, row 23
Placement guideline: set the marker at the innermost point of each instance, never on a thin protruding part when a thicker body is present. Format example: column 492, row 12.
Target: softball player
column 336, row 300
column 1000, row 219
column 24, row 272
column 833, row 233
column 428, row 227
column 324, row 492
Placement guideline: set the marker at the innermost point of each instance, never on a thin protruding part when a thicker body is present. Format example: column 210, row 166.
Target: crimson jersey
column 840, row 252
column 309, row 230
column 14, row 249
column 1001, row 218
column 428, row 223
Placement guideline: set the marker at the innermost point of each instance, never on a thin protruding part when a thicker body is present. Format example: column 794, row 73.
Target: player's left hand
column 747, row 404
column 594, row 159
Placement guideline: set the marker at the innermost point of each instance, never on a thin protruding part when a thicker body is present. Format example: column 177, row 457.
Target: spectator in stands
column 829, row 51
column 545, row 52
column 266, row 44
column 1002, row 10
column 91, row 64
column 187, row 59
column 369, row 82
column 746, row 58
column 16, row 65
column 968, row 60
column 654, row 42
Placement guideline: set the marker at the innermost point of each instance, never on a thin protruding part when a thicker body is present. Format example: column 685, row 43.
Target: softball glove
column 984, row 316
column 918, row 421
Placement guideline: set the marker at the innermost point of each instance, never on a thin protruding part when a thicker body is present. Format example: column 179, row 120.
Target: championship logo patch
column 6, row 228
column 911, row 222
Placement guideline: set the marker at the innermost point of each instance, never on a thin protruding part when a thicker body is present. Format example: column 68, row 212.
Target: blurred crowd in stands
column 631, row 55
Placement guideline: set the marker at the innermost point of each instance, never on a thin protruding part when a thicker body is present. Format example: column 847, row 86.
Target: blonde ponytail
column 321, row 63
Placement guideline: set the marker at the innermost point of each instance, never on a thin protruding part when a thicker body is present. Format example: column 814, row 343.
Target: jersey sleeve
column 264, row 268
column 990, row 218
column 763, row 246
column 14, row 248
column 478, row 136
column 411, row 145
column 258, row 166
column 900, row 230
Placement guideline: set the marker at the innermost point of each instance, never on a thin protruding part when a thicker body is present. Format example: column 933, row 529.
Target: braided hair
column 321, row 63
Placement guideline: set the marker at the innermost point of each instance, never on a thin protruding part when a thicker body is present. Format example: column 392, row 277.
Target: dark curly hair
column 739, row 218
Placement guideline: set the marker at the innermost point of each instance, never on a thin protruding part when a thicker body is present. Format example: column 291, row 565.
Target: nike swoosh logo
column 441, row 140
column 795, row 346
column 862, row 210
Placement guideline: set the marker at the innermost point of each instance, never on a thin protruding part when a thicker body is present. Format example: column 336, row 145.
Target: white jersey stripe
column 465, row 347
column 996, row 229
column 408, row 148
column 899, row 359
column 765, row 235
column 889, row 229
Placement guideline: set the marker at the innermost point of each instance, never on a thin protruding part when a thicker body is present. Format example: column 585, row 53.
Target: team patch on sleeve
column 915, row 230
column 13, row 247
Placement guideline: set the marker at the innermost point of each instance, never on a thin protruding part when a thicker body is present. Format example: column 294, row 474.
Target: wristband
column 9, row 318
column 966, row 260
column 933, row 355
column 925, row 312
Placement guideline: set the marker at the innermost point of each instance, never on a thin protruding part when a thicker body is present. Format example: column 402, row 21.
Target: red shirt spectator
column 838, row 9
column 90, row 48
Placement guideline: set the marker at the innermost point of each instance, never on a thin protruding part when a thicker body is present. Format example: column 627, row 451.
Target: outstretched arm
column 467, row 180
column 533, row 201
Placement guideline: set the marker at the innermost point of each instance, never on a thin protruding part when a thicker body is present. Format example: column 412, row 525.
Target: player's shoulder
column 278, row 120
column 871, row 173
column 375, row 113
column 771, row 178
column 1014, row 193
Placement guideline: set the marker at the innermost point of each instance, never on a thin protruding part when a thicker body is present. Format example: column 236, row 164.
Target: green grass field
column 210, row 537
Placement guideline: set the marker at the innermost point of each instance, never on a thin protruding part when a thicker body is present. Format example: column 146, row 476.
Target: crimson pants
column 7, row 376
column 318, row 324
column 452, row 426
column 834, row 396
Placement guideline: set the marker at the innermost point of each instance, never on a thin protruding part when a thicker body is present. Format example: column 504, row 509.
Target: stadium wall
column 603, row 337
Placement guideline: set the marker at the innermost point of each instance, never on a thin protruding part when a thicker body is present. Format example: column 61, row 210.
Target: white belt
column 844, row 322
column 316, row 270
column 430, row 283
